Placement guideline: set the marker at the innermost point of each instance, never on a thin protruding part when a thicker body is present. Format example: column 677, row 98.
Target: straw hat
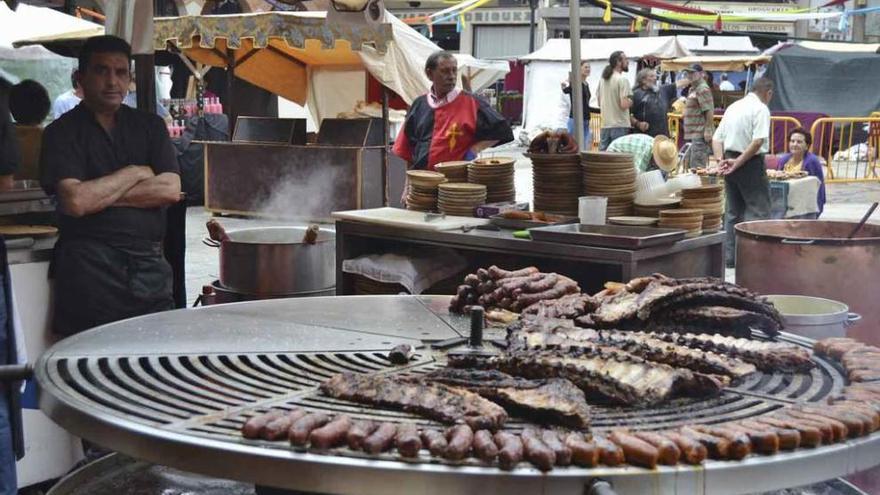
column 665, row 153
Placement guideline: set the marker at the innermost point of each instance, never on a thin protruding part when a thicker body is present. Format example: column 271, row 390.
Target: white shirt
column 64, row 103
column 743, row 122
column 726, row 86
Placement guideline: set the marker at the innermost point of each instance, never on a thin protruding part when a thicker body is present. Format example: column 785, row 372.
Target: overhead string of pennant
column 679, row 15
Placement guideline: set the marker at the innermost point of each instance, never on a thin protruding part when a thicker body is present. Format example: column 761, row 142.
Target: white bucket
column 591, row 209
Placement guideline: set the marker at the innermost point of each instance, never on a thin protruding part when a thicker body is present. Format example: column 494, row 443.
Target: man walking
column 742, row 139
column 698, row 119
column 114, row 171
column 615, row 99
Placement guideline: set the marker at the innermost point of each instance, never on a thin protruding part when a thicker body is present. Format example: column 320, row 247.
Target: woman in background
column 799, row 159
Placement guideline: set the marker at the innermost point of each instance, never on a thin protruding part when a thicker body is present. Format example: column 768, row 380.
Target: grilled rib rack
column 174, row 388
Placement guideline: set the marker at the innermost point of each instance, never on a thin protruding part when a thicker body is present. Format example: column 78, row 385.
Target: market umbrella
column 273, row 50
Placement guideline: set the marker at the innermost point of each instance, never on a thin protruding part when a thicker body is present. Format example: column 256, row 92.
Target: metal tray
column 612, row 236
column 516, row 224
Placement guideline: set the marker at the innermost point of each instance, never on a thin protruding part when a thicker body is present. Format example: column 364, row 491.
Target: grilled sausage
column 537, row 452
column 856, row 424
column 277, row 428
column 381, row 439
column 717, row 447
column 810, row 436
column 484, row 446
column 583, row 453
column 789, row 438
column 637, row 451
column 740, row 445
column 870, row 409
column 496, row 273
column 407, row 440
column 301, row 429
column 255, row 424
column 692, row 451
column 763, row 441
column 668, row 451
column 562, row 452
column 840, row 430
column 459, row 440
column 832, row 431
column 610, row 454
column 435, row 441
column 510, row 450
column 332, row 434
column 358, row 432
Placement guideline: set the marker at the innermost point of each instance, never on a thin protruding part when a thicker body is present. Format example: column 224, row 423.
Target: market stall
column 548, row 66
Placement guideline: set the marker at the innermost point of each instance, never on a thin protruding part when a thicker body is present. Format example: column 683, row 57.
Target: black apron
column 8, row 356
column 98, row 282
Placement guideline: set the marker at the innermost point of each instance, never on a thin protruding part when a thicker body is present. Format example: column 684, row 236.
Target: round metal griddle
column 174, row 388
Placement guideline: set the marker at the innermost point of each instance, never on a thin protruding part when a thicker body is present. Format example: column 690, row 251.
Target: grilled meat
column 614, row 374
column 766, row 356
column 510, row 290
column 665, row 301
column 570, row 307
column 555, row 401
column 436, row 401
column 708, row 319
column 836, row 347
column 861, row 362
column 640, row 345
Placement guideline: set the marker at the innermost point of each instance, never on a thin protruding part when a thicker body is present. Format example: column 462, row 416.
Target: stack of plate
column 652, row 207
column 422, row 195
column 710, row 201
column 612, row 175
column 497, row 175
column 556, row 182
column 683, row 218
column 364, row 286
column 460, row 199
column 454, row 171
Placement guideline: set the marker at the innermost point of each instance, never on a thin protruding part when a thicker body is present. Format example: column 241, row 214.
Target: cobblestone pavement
column 846, row 202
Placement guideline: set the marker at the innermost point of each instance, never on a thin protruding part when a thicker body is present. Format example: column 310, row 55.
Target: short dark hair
column 29, row 102
column 762, row 85
column 102, row 44
column 435, row 58
column 808, row 138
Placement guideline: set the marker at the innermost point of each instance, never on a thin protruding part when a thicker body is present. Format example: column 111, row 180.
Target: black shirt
column 652, row 107
column 587, row 96
column 9, row 156
column 76, row 147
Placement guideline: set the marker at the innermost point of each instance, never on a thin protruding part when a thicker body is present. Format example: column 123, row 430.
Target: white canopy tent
column 719, row 45
column 37, row 62
column 544, row 104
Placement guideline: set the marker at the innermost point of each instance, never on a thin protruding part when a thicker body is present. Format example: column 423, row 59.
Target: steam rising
column 302, row 194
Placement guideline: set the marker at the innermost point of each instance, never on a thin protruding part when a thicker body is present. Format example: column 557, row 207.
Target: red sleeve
column 401, row 145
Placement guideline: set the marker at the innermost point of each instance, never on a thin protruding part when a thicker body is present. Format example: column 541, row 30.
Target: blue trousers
column 588, row 136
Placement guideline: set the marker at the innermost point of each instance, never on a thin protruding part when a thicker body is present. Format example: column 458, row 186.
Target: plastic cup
column 591, row 209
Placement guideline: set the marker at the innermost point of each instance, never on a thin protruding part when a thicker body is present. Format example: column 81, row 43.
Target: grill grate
column 214, row 394
column 183, row 402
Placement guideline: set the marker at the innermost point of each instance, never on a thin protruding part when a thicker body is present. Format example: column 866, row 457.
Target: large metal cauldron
column 814, row 258
column 275, row 261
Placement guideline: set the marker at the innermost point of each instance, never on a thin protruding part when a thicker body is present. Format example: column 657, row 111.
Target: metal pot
column 814, row 317
column 275, row 260
column 813, row 258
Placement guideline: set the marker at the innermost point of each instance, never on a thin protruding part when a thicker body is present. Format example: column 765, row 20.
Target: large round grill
column 175, row 388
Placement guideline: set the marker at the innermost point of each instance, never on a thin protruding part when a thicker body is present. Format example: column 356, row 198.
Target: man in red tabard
column 447, row 124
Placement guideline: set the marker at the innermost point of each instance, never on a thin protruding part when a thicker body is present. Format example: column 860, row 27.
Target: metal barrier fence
column 849, row 146
column 779, row 126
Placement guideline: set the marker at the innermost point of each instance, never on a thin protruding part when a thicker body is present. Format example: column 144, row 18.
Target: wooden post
column 230, row 90
column 385, row 129
column 145, row 81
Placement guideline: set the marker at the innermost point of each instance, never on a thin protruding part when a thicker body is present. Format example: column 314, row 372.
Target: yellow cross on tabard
column 452, row 133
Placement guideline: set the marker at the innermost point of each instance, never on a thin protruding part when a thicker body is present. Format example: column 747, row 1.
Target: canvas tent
column 809, row 80
column 36, row 62
column 548, row 66
column 727, row 63
column 718, row 45
column 303, row 58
